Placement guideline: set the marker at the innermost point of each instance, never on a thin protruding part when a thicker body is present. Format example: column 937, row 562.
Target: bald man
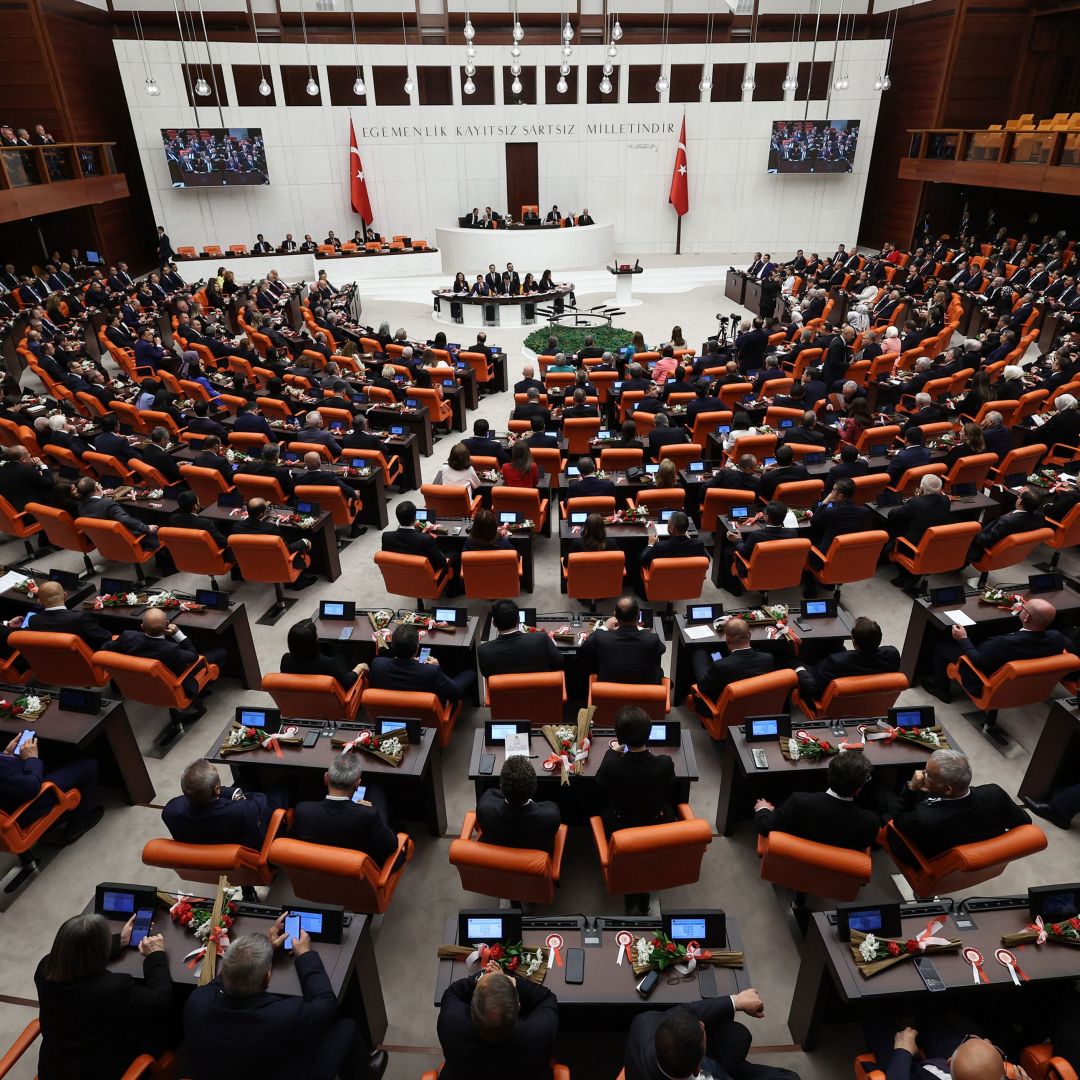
column 54, row 617
column 936, row 1052
column 319, row 476
column 258, row 524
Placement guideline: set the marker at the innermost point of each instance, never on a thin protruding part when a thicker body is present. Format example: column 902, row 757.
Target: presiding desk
column 494, row 310
column 742, row 782
column 579, row 799
column 305, row 265
column 529, row 249
column 350, row 965
column 830, row 986
column 107, row 737
column 606, row 999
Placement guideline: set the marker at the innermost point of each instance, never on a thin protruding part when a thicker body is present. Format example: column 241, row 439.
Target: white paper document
column 961, row 618
column 696, row 633
column 517, row 745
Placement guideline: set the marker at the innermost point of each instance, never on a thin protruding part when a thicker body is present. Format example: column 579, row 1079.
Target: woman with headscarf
column 891, row 342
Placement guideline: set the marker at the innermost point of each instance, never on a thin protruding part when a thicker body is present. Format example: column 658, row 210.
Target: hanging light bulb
column 470, row 69
column 518, row 32
column 202, row 88
column 878, row 84
column 605, row 85
column 312, row 88
column 515, row 86
column 564, row 68
column 561, row 85
column 470, row 50
column 358, row 87
column 706, row 81
column 838, row 82
column 567, row 51
column 469, row 87
column 608, row 67
column 468, row 31
column 515, row 50
column 408, row 84
column 515, row 68
column 846, row 81
column 152, row 87
column 265, row 88
column 612, row 51
column 568, row 32
column 886, row 82
column 616, row 31
column 790, row 83
column 661, row 84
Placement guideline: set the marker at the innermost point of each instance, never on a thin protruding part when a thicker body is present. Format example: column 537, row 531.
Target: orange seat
column 806, row 867
column 732, row 394
column 942, row 549
column 964, row 866
column 594, row 575
column 968, row 474
column 18, row 524
column 273, row 409
column 253, row 486
column 205, row 863
column 535, row 696
column 619, row 459
column 705, row 423
column 194, row 551
column 315, row 697
column 144, row 1066
column 332, row 875
column 1066, row 534
column 449, row 500
column 680, row 454
column 407, row 704
column 151, row 682
column 854, row 695
column 1041, row 1064
column 579, row 432
column 266, row 558
column 774, row 564
column 331, row 499
column 59, row 527
column 799, row 493
column 522, row 875
column 524, row 501
column 491, row 575
column 761, row 695
column 108, row 465
column 302, row 448
column 759, row 446
column 250, row 441
column 652, row 857
column 589, row 504
column 871, row 438
column 1010, row 550
column 148, row 475
column 661, row 499
column 549, row 460
column 1018, row 463
column 58, row 659
column 1015, row 684
column 675, row 579
column 719, row 501
column 851, row 557
column 152, row 419
column 438, row 408
column 62, row 458
column 911, row 478
column 19, row 839
column 116, row 542
column 869, row 487
column 609, row 697
column 208, row 484
column 129, row 416
column 412, row 575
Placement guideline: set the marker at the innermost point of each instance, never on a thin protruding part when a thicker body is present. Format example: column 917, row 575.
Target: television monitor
column 215, row 157
column 813, row 146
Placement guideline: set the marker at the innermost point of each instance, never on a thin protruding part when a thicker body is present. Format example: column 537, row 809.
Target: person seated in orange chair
column 207, row 813
column 826, row 817
column 621, row 650
column 339, row 820
column 742, row 661
column 1024, row 518
column 935, row 1050
column 676, row 545
column 938, row 809
column 57, row 618
column 869, row 657
column 305, row 657
column 510, row 816
column 94, row 503
column 318, row 475
column 513, row 651
column 744, row 544
column 407, row 539
column 257, row 524
column 403, row 670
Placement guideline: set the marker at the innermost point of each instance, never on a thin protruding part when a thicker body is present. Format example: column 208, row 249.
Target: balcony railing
column 59, row 176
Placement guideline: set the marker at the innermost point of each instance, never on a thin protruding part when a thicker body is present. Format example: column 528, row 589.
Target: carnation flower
column 793, row 749
column 868, row 948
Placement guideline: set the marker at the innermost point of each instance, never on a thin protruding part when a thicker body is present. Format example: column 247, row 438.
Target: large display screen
column 215, row 157
column 813, row 146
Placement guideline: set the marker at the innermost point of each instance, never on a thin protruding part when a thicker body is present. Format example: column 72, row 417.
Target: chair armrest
column 27, row 1037
column 908, row 543
column 977, row 673
column 139, row 1068
column 742, row 560
column 1072, row 450
column 469, row 827
column 890, row 826
column 277, row 821
column 684, row 813
column 600, row 839
column 557, row 850
column 47, row 787
column 1052, row 523
column 814, row 551
column 404, row 847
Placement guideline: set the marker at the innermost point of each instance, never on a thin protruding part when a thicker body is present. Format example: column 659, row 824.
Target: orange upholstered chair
column 106, row 466
column 333, row 875
column 537, row 696
column 266, row 558
column 18, row 839
column 427, row 708
column 449, row 500
column 807, row 867
column 652, row 857
column 208, row 484
column 58, row 659
column 412, row 575
column 144, row 1066
column 619, row 459
column 941, row 550
column 18, row 524
column 362, row 459
column 116, row 542
column 130, row 417
column 589, row 504
column 855, row 695
column 759, row 446
column 911, row 478
column 579, row 431
column 873, row 437
column 151, row 682
column 342, row 510
column 1041, row 1064
column 62, row 458
column 609, row 697
column 315, row 697
column 681, row 454
column 964, row 866
column 524, row 501
column 1066, row 534
column 851, row 557
column 732, row 394
column 675, row 579
column 59, row 527
column 1010, row 550
column 774, row 564
column 799, row 493
column 969, row 473
column 1018, row 463
column 491, row 575
column 719, row 501
column 705, row 423
column 205, row 863
column 866, row 1068
column 479, row 363
column 869, row 487
column 1017, row 683
column 194, row 551
column 524, row 875
column 661, row 499
column 252, row 486
column 761, row 695
column 594, row 575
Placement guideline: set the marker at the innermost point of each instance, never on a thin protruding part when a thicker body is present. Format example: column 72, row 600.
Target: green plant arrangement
column 572, row 338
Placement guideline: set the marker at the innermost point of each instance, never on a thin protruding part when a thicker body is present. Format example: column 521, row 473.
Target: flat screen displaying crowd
column 813, row 146
column 215, row 157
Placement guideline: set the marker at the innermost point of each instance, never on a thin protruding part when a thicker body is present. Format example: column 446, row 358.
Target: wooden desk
column 752, row 296
column 14, row 602
column 415, row 422
column 1055, row 761
column 830, row 987
column 407, row 448
column 107, row 737
column 350, row 965
column 606, row 999
column 579, row 799
column 963, row 508
column 735, row 285
column 414, row 789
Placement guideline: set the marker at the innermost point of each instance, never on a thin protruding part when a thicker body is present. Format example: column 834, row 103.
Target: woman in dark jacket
column 486, row 535
column 593, row 538
column 306, row 658
column 95, row 1022
column 637, row 785
column 973, row 443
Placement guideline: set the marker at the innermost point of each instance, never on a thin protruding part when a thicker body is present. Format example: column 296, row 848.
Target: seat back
column 579, row 432
column 873, row 437
column 252, row 486
column 105, row 465
column 1010, row 550
column 944, row 548
column 862, row 695
column 59, row 527
column 143, row 679
column 147, row 474
column 733, row 393
column 912, row 478
column 661, row 499
column 609, row 697
column 1066, row 533
column 760, row 446
column 524, row 501
column 705, row 423
column 205, row 863
column 113, row 540
column 58, row 659
column 681, row 454
column 536, row 696
column 869, row 487
column 677, row 579
column 595, row 575
column 760, row 695
column 620, row 458
column 194, row 551
column 804, row 866
column 1026, row 682
column 549, row 459
column 317, row 697
column 591, row 504
column 263, row 558
column 491, row 575
column 520, row 874
column 799, row 493
column 852, row 557
column 1018, row 463
column 208, row 484
column 970, row 471
column 331, row 499
column 12, row 523
column 447, row 500
column 655, row 857
column 409, row 704
column 776, row 564
column 719, row 501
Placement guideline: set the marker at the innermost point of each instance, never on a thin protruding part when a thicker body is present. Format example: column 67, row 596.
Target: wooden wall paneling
column 246, row 79
column 684, row 83
column 389, row 85
column 434, row 85
column 26, row 90
column 727, row 82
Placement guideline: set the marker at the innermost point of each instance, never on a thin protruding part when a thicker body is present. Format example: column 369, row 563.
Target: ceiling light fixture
column 358, row 87
column 312, row 86
column 705, row 84
column 408, row 87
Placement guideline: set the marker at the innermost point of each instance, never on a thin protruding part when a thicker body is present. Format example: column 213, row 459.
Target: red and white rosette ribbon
column 973, row 957
column 361, row 740
column 271, row 743
column 1040, row 929
column 480, row 955
column 624, row 939
column 693, row 951
column 554, row 943
column 847, row 745
column 1008, row 960
column 927, row 937
column 556, row 761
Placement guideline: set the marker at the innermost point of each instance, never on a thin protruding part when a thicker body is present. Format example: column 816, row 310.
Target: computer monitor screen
column 688, row 929
column 215, row 157
column 813, row 146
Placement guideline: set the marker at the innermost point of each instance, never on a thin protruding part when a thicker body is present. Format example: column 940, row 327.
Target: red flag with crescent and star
column 679, row 196
column 357, row 184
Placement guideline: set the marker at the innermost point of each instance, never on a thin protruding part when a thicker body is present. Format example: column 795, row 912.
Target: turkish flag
column 679, row 196
column 357, row 184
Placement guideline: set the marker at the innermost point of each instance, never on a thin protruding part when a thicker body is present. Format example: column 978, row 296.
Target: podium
column 624, row 283
column 735, row 285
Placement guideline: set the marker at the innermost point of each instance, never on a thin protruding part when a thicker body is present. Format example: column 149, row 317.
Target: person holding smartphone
column 95, row 1022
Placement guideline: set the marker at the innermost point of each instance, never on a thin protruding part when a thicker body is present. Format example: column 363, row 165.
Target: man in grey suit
column 94, row 503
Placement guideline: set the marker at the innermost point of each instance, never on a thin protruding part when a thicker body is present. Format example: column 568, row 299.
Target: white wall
column 426, row 165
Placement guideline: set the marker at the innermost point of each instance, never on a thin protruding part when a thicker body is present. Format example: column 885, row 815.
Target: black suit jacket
column 345, row 824
column 725, row 1041
column 80, row 623
column 623, row 655
column 411, row 541
column 22, row 483
column 673, row 547
column 918, row 514
column 1023, row 645
column 518, row 653
column 225, row 821
column 389, row 673
column 1016, row 521
column 589, row 487
column 780, row 474
column 163, row 461
column 741, row 664
column 836, row 519
column 822, row 818
column 668, row 436
column 478, row 447
column 177, row 656
column 845, row 663
column 637, row 787
column 935, row 825
column 533, row 825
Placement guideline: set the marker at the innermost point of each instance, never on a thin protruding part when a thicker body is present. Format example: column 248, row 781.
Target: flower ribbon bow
column 802, row 735
column 481, row 954
column 554, row 943
column 926, row 937
column 975, row 958
column 693, row 951
column 1039, row 927
column 1008, row 960
column 271, row 743
column 219, row 938
column 624, row 939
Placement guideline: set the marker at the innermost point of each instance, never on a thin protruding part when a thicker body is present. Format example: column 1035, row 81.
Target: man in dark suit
column 155, row 454
column 663, row 435
column 741, row 662
column 210, row 457
column 528, row 381
column 826, row 817
column 512, row 651
column 261, row 246
column 997, row 436
column 509, row 815
column 55, row 617
column 493, row 281
column 837, row 356
column 402, row 670
column 579, row 410
column 341, row 822
column 59, row 433
column 257, row 524
column 318, row 476
column 704, row 402
column 934, row 1050
column 491, row 1025
column 837, row 515
column 482, row 445
column 784, row 471
column 159, row 639
column 540, row 436
column 868, row 657
column 269, row 464
column 911, row 457
column 589, row 485
column 92, row 502
column 697, row 1039
column 774, row 529
column 676, row 545
column 750, row 347
column 236, row 1027
column 110, row 441
column 531, row 407
column 743, row 477
column 200, row 423
column 1024, row 518
column 921, row 512
column 164, row 250
column 621, row 651
column 806, row 432
column 187, row 517
column 22, row 480
column 406, row 539
column 926, row 412
column 250, row 421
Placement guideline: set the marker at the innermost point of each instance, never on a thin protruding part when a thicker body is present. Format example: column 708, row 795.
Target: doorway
column 522, row 177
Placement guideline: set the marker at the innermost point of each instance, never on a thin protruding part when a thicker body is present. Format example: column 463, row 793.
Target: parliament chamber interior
column 521, row 555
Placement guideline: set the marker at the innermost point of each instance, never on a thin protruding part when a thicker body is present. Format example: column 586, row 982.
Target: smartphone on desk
column 575, row 966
